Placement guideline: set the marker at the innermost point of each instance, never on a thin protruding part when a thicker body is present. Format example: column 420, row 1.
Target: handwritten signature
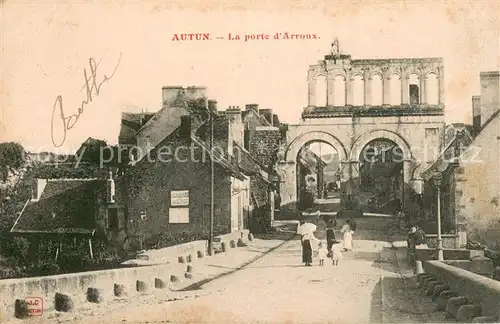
column 91, row 86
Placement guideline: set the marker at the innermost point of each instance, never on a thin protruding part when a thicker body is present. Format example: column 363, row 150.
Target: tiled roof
column 65, row 206
column 245, row 161
column 130, row 124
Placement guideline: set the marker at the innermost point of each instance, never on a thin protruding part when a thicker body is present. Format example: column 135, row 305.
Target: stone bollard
column 63, row 303
column 189, row 258
column 119, row 290
column 240, row 243
column 486, row 319
column 232, row 244
column 250, row 236
column 223, row 246
column 431, row 285
column 200, row 254
column 174, row 278
column 21, row 310
column 438, row 289
column 159, row 284
column 467, row 313
column 454, row 303
column 181, row 259
column 188, row 275
column 141, row 286
column 421, row 277
column 443, row 298
column 419, row 267
column 94, row 295
column 425, row 282
column 189, row 268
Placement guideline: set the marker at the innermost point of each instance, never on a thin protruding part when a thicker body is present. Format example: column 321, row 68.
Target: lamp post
column 212, row 176
column 437, row 182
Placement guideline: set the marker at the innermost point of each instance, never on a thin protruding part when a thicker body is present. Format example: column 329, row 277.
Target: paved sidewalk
column 204, row 270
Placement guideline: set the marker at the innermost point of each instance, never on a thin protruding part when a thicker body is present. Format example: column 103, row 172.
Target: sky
column 46, row 46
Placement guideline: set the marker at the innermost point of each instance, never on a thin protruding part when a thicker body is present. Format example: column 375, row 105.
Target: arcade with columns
column 354, row 102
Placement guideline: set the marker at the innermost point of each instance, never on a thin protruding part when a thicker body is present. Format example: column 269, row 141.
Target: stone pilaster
column 311, row 89
column 440, row 78
column 386, row 84
column 405, row 92
column 330, row 84
column 348, row 90
column 423, row 89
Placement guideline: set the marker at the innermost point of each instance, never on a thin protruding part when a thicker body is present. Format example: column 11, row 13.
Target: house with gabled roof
column 470, row 170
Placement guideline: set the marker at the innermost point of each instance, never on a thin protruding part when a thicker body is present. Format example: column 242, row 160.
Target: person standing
column 306, row 230
column 331, row 223
column 347, row 236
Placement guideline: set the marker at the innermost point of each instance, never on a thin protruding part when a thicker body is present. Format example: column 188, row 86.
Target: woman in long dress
column 347, row 233
column 306, row 231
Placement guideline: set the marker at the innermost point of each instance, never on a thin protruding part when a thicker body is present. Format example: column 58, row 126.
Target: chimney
column 476, row 113
column 38, row 188
column 236, row 127
column 490, row 94
column 212, row 105
column 254, row 107
column 267, row 114
column 173, row 96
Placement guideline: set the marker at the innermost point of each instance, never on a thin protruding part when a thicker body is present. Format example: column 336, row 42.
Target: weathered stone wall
column 478, row 184
column 264, row 144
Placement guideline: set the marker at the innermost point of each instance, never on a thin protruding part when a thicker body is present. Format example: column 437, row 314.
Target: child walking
column 322, row 252
column 336, row 253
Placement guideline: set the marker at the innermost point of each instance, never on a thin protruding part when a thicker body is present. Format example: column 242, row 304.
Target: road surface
column 277, row 288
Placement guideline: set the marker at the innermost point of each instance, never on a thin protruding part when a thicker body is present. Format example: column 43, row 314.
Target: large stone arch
column 314, row 136
column 366, row 138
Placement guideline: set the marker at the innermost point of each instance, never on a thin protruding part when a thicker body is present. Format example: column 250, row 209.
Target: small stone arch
column 321, row 74
column 334, row 76
column 358, row 74
column 366, row 138
column 374, row 73
column 301, row 140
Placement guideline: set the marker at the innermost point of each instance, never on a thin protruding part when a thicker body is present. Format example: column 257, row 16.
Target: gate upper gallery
column 352, row 103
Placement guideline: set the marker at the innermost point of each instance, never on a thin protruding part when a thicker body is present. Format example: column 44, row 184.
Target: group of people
column 332, row 249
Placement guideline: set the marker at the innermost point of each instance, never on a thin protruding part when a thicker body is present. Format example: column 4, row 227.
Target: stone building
column 471, row 173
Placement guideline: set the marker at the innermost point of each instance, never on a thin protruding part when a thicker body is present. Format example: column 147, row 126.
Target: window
column 113, row 218
column 144, row 215
column 414, row 95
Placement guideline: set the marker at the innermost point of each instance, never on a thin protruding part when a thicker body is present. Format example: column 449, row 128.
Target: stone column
column 440, row 78
column 368, row 89
column 406, row 179
column 405, row 92
column 348, row 90
column 330, row 84
column 386, row 84
column 423, row 89
column 288, row 185
column 312, row 89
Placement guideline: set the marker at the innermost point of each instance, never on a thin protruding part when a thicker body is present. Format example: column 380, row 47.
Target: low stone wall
column 425, row 254
column 464, row 295
column 450, row 241
column 480, row 265
column 77, row 287
column 188, row 250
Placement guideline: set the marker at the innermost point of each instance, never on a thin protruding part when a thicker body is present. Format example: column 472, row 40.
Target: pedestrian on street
column 336, row 253
column 331, row 223
column 306, row 230
column 322, row 253
column 347, row 233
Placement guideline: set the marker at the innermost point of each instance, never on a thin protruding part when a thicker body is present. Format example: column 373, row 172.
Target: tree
column 12, row 156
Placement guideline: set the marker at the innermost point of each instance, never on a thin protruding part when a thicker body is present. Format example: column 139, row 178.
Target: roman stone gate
column 355, row 102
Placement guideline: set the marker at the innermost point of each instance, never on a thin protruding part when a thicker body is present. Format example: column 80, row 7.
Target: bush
column 43, row 268
column 168, row 239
